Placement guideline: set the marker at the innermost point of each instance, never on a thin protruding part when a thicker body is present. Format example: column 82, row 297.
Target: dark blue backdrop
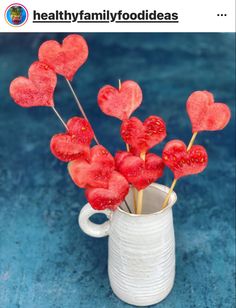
column 45, row 259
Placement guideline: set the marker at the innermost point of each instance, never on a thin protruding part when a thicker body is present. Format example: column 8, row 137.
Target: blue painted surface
column 45, row 259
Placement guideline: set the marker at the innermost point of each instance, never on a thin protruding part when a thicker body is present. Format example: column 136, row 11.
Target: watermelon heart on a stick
column 37, row 89
column 205, row 115
column 140, row 173
column 74, row 144
column 111, row 197
column 120, row 103
column 183, row 162
column 66, row 58
column 93, row 173
column 143, row 136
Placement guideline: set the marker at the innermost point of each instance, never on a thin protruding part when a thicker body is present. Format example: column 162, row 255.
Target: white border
column 194, row 16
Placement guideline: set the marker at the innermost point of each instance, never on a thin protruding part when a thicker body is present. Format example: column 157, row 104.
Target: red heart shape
column 96, row 172
column 67, row 58
column 138, row 172
column 111, row 197
column 37, row 90
column 74, row 144
column 120, row 103
column 143, row 136
column 181, row 162
column 100, row 154
column 81, row 130
column 205, row 114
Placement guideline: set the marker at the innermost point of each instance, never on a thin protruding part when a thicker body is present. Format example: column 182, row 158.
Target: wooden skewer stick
column 169, row 193
column 80, row 106
column 127, row 206
column 133, row 188
column 191, row 142
column 135, row 199
column 86, row 118
column 119, row 81
column 140, row 192
column 134, row 191
column 59, row 117
column 128, row 150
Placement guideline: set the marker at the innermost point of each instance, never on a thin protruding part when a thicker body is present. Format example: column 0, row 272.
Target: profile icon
column 16, row 15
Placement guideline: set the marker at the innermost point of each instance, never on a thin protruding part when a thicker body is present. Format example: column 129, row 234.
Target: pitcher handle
column 91, row 228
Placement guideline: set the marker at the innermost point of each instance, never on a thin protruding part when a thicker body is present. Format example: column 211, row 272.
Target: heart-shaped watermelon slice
column 111, row 197
column 96, row 172
column 181, row 162
column 143, row 136
column 81, row 130
column 67, row 58
column 74, row 144
column 138, row 172
column 99, row 153
column 37, row 90
column 205, row 114
column 120, row 103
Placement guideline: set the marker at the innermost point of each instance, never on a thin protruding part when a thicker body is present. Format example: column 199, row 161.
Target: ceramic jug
column 141, row 258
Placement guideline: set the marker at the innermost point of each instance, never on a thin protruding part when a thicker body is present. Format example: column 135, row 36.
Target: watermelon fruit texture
column 37, row 90
column 205, row 114
column 111, row 197
column 183, row 162
column 67, row 58
column 143, row 136
column 93, row 173
column 74, row 144
column 120, row 103
column 138, row 172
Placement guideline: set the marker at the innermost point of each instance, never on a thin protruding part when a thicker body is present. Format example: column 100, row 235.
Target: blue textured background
column 45, row 259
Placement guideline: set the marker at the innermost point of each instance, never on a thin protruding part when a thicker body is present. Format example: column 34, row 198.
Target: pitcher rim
column 164, row 189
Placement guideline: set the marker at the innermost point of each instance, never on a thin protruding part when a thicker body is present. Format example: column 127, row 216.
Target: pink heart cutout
column 111, row 197
column 74, row 144
column 93, row 173
column 37, row 90
column 120, row 103
column 181, row 162
column 143, row 136
column 138, row 172
column 205, row 114
column 67, row 58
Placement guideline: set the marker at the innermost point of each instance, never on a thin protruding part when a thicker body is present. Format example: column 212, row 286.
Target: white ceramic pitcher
column 141, row 263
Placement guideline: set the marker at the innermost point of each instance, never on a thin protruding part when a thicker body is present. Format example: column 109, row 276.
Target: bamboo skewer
column 134, row 199
column 128, row 149
column 119, row 81
column 140, row 192
column 84, row 115
column 127, row 206
column 59, row 117
column 80, row 106
column 191, row 142
column 133, row 188
column 169, row 193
